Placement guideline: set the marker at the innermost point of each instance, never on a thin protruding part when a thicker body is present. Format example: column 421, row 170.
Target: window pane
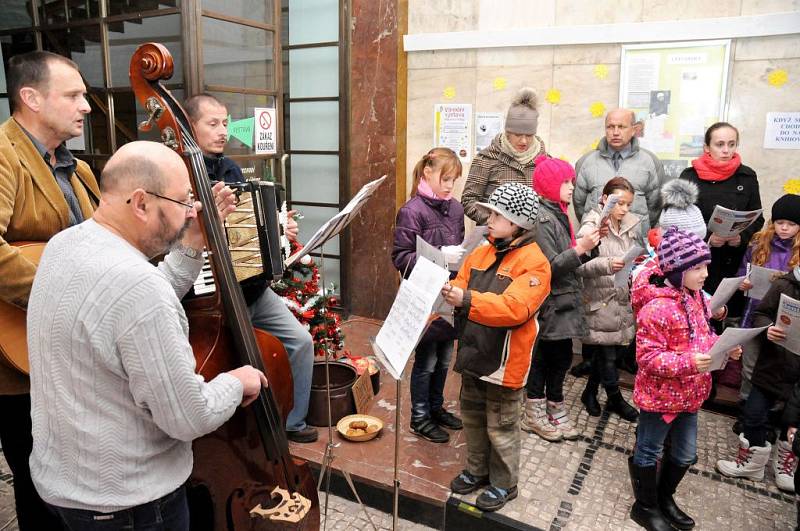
column 82, row 45
column 5, row 112
column 59, row 11
column 237, row 56
column 313, row 218
column 240, row 127
column 314, row 125
column 314, row 72
column 16, row 14
column 118, row 7
column 125, row 37
column 259, row 10
column 96, row 125
column 313, row 21
column 314, row 178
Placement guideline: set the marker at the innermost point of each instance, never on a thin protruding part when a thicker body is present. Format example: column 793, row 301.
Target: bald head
column 141, row 164
column 619, row 128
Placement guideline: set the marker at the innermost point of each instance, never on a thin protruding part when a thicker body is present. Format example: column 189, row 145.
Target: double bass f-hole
column 243, row 472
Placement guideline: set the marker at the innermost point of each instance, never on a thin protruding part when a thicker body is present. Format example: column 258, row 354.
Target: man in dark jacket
column 267, row 311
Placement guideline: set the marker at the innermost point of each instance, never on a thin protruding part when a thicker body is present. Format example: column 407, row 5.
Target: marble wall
column 567, row 127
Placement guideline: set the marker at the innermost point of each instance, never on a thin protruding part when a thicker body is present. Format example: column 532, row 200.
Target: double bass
column 243, row 477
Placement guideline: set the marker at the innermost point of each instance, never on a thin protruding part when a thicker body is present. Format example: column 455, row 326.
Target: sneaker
column 495, row 498
column 427, row 429
column 558, row 417
column 749, row 463
column 465, row 483
column 445, row 419
column 535, row 420
column 306, row 435
column 784, row 466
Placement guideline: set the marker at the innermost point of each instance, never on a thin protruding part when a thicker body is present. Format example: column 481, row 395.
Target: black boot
column 584, row 368
column 671, row 476
column 589, row 397
column 617, row 404
column 645, row 511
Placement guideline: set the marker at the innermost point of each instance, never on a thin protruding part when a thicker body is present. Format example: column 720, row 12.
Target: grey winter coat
column 562, row 314
column 609, row 315
column 490, row 168
column 642, row 168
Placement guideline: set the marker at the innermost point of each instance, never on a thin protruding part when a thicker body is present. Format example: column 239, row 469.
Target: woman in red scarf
column 723, row 180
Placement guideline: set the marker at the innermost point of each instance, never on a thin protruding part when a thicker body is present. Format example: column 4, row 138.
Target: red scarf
column 709, row 169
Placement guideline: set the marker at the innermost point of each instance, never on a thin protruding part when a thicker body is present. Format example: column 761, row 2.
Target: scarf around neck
column 424, row 189
column 524, row 157
column 712, row 170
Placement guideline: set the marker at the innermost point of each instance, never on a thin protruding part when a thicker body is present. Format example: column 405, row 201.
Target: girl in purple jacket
column 438, row 218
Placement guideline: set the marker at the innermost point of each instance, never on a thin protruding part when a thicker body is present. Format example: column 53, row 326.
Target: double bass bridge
column 290, row 508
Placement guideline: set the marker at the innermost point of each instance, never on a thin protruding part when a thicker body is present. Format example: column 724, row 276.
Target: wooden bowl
column 344, row 424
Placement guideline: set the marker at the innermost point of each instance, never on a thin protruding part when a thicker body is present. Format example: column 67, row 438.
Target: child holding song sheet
column 497, row 295
column 435, row 216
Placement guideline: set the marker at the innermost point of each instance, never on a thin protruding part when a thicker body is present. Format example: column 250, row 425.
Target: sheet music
column 621, row 276
column 727, row 287
column 729, row 339
column 611, row 202
column 761, row 278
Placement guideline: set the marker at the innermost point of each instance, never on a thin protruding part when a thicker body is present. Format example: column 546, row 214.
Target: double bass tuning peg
column 154, row 111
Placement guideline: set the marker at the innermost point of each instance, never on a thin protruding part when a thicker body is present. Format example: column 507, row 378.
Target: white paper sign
column 727, row 287
column 761, row 278
column 730, row 338
column 408, row 317
column 451, row 128
column 725, row 222
column 487, row 126
column 782, row 131
column 266, row 136
column 788, row 320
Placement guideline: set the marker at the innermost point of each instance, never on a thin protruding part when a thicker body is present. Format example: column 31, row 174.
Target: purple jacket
column 779, row 257
column 439, row 222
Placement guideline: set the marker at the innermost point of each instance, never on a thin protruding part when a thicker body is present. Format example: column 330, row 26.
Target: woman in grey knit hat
column 509, row 158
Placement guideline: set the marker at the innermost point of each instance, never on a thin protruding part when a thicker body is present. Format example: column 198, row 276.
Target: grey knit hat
column 516, row 202
column 522, row 117
column 678, row 198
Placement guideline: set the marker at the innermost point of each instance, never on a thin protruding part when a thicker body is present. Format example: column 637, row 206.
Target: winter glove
column 452, row 255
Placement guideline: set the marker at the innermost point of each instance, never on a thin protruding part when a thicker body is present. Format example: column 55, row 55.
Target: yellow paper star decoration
column 600, row 71
column 595, row 144
column 778, row 78
column 553, row 96
column 792, row 186
column 499, row 83
column 449, row 93
column 597, row 109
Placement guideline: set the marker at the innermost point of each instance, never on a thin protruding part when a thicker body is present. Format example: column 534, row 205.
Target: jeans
column 15, row 434
column 168, row 513
column 604, row 365
column 652, row 432
column 756, row 416
column 431, row 363
column 551, row 361
column 270, row 314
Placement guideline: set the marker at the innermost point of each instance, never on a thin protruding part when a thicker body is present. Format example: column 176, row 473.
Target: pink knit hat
column 548, row 176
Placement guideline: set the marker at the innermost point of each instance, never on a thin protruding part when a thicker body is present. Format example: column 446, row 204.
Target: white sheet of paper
column 727, row 287
column 611, row 202
column 621, row 276
column 726, row 222
column 730, row 338
column 788, row 320
column 430, row 252
column 761, row 278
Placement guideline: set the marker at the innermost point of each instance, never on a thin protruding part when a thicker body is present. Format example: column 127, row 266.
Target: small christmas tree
column 316, row 308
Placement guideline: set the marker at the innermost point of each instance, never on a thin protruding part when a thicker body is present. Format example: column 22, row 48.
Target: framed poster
column 676, row 90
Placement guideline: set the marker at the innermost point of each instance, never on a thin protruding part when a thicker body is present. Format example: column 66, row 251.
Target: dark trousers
column 15, row 436
column 431, row 363
column 168, row 513
column 604, row 365
column 755, row 417
column 551, row 361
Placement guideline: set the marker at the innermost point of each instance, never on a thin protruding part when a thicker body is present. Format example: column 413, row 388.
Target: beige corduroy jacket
column 32, row 208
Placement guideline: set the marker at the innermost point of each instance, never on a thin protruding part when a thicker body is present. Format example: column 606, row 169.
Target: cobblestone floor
column 583, row 485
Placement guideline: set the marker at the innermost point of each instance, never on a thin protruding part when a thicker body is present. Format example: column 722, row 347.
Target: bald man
column 619, row 153
column 115, row 398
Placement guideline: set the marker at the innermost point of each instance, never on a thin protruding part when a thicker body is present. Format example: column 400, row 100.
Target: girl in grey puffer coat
column 609, row 315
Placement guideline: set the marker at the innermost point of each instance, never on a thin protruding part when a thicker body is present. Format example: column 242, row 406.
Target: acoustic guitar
column 13, row 331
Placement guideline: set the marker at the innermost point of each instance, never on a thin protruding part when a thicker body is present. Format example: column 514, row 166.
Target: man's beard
column 163, row 242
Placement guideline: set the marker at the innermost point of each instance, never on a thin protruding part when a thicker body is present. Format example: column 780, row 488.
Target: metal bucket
column 342, row 378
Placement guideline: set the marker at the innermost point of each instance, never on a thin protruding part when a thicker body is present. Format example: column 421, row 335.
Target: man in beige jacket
column 43, row 190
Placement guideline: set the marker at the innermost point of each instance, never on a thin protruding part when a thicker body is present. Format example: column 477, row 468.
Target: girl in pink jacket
column 672, row 340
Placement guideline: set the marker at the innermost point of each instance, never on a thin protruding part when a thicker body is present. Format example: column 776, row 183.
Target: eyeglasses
column 188, row 206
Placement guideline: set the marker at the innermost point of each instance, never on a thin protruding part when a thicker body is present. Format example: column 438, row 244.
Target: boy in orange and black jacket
column 497, row 295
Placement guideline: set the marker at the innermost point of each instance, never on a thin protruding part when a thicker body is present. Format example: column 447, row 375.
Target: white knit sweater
column 115, row 399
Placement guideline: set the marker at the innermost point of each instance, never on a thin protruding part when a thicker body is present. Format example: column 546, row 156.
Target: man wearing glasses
column 267, row 311
column 115, row 400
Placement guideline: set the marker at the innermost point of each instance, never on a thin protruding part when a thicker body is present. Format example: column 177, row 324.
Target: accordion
column 255, row 233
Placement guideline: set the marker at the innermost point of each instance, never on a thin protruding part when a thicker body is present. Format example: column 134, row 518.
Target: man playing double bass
column 115, row 399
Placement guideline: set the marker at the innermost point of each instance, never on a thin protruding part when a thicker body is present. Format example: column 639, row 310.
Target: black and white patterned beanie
column 516, row 202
